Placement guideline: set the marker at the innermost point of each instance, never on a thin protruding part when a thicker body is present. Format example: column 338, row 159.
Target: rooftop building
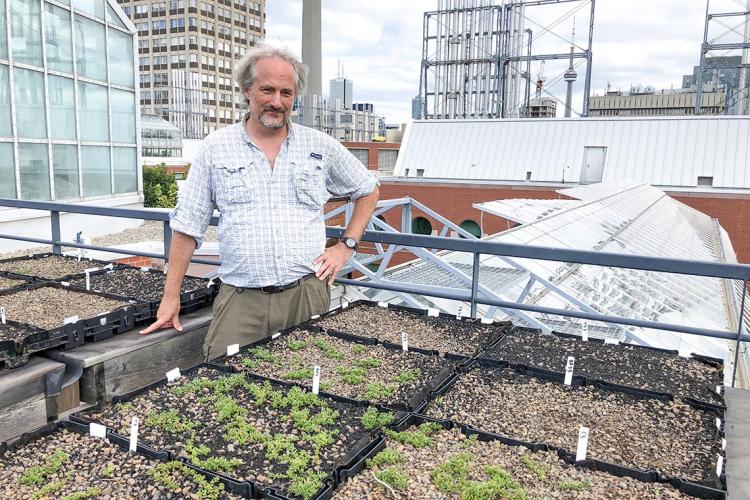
column 649, row 102
column 159, row 138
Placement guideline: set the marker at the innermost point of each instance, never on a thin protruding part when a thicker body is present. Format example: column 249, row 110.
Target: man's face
column 271, row 96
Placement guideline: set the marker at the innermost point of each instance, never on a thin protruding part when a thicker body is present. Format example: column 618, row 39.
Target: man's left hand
column 331, row 262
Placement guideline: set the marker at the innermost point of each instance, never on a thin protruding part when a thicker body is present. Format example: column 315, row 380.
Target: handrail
column 472, row 246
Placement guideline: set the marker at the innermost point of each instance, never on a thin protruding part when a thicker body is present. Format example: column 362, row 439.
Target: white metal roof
column 661, row 151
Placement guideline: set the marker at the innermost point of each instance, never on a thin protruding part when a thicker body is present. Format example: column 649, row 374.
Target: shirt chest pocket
column 232, row 185
column 310, row 183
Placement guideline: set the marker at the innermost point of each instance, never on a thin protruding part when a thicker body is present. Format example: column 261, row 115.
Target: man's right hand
column 168, row 316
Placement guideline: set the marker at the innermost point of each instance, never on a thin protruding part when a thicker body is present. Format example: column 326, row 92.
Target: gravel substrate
column 620, row 364
column 135, row 283
column 71, row 466
column 248, row 430
column 15, row 333
column 425, row 332
column 368, row 372
column 10, row 283
column 50, row 267
column 647, row 434
column 449, row 465
column 47, row 307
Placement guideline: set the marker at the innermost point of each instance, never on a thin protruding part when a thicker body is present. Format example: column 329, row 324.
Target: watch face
column 350, row 242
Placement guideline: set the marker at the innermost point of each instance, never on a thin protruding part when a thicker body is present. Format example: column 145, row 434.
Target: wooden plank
column 142, row 367
column 20, row 384
column 23, row 416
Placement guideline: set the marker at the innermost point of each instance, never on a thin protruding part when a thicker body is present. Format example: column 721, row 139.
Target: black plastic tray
column 246, row 489
column 95, row 263
column 414, row 402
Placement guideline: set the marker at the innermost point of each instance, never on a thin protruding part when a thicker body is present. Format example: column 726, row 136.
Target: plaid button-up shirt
column 271, row 226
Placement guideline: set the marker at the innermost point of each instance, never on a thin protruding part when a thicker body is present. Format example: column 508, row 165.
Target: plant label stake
column 719, row 465
column 2, row 315
column 583, row 443
column 145, row 269
column 275, row 335
column 97, row 430
column 210, row 283
column 718, row 424
column 431, row 311
column 316, row 380
column 718, row 390
column 723, row 444
column 315, row 316
column 344, row 304
column 382, row 304
column 487, row 321
column 133, row 434
column 459, row 313
column 569, row 370
column 608, row 340
column 404, row 341
column 173, row 374
column 585, row 332
column 233, row 349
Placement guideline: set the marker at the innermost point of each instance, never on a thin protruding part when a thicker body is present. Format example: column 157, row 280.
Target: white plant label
column 315, row 316
column 210, row 283
column 723, row 444
column 459, row 313
column 133, row 434
column 719, row 465
column 230, row 448
column 344, row 304
column 431, row 311
column 611, row 341
column 487, row 321
column 70, row 319
column 718, row 423
column 145, row 269
column 97, row 430
column 233, row 349
column 275, row 335
column 583, row 443
column 383, row 304
column 404, row 341
column 316, row 380
column 2, row 315
column 585, row 332
column 173, row 374
column 569, row 365
column 65, row 283
column 88, row 280
column 718, row 389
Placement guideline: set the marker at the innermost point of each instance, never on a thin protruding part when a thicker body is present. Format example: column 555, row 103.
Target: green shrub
column 159, row 187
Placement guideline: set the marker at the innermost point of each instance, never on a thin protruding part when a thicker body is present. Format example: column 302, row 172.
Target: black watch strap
column 350, row 242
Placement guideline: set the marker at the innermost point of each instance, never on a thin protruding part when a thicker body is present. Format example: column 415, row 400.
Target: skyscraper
column 186, row 52
column 341, row 88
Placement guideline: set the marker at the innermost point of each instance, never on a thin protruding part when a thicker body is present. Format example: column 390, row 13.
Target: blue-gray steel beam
column 465, row 297
column 657, row 264
column 589, row 59
column 167, row 240
column 55, row 223
column 474, row 285
column 739, row 332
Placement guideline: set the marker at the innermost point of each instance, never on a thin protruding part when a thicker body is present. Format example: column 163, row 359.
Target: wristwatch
column 350, row 243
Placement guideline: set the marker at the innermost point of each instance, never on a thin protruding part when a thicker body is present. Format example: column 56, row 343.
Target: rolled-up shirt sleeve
column 195, row 205
column 347, row 176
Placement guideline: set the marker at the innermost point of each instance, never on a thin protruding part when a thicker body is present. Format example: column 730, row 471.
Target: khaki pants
column 242, row 316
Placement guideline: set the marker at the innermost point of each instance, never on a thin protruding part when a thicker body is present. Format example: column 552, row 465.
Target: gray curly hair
column 244, row 73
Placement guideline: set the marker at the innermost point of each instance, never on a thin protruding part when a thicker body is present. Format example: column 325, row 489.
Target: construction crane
column 540, row 79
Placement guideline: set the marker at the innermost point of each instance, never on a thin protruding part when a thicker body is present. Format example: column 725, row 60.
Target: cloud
column 380, row 43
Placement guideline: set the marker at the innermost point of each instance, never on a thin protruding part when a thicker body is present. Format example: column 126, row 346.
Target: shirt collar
column 243, row 130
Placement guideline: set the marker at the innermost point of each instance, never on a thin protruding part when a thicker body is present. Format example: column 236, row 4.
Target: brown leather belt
column 279, row 288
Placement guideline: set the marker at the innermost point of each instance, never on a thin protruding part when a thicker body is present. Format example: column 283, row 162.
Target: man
column 269, row 178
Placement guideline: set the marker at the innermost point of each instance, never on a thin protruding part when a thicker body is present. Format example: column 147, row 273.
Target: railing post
column 474, row 285
column 55, row 221
column 406, row 217
column 739, row 332
column 167, row 241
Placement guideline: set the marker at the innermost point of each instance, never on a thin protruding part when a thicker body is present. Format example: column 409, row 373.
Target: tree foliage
column 159, row 187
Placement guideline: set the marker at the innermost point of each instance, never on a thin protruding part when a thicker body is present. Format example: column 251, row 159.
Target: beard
column 273, row 122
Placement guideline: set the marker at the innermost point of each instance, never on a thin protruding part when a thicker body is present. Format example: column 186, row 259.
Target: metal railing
column 477, row 248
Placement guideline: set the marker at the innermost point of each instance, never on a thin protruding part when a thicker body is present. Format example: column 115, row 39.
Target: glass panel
column 123, row 116
column 90, row 56
column 30, row 115
column 59, row 38
column 93, row 7
column 121, row 67
column 33, row 165
column 5, row 124
column 26, row 30
column 95, row 168
column 62, row 111
column 7, row 171
column 113, row 18
column 93, row 113
column 126, row 170
column 3, row 32
column 65, row 169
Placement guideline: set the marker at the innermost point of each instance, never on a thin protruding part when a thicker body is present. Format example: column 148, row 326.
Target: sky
column 379, row 43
